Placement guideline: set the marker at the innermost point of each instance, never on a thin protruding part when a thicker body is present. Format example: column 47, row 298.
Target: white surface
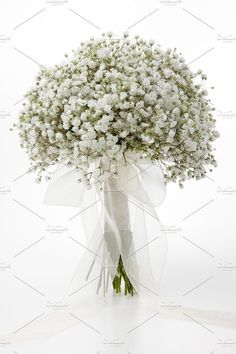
column 201, row 247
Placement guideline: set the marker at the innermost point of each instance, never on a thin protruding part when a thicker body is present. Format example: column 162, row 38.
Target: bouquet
column 115, row 103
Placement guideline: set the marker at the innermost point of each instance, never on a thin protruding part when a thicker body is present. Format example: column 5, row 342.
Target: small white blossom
column 59, row 136
column 119, row 96
column 103, row 52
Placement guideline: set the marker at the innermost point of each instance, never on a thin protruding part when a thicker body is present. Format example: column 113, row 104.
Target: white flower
column 50, row 133
column 191, row 145
column 124, row 134
column 147, row 139
column 167, row 73
column 98, row 75
column 103, row 53
column 146, row 81
column 59, row 136
column 173, row 124
column 114, row 97
column 176, row 110
column 171, row 133
column 34, row 120
column 123, row 95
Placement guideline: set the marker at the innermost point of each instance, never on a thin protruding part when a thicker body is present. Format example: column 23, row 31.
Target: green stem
column 121, row 275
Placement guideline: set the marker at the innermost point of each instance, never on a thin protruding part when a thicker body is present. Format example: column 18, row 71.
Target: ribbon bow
column 125, row 224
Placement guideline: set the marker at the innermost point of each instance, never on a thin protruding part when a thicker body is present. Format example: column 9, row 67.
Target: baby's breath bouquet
column 114, row 97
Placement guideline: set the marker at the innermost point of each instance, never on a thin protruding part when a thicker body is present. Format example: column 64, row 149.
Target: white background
column 37, row 255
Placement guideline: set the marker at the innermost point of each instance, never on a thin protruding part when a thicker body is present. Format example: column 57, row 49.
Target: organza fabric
column 119, row 220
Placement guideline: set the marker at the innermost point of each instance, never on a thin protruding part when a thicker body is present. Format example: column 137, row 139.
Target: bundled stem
column 122, row 276
column 117, row 218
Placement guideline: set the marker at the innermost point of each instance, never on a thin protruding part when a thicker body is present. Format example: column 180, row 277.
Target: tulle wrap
column 118, row 219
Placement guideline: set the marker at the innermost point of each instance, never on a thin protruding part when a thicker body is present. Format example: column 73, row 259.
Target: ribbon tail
column 120, row 220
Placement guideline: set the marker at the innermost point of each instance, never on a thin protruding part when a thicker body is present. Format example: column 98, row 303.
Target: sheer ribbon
column 126, row 224
column 119, row 219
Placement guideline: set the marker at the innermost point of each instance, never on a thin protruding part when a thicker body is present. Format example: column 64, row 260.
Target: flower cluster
column 114, row 96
